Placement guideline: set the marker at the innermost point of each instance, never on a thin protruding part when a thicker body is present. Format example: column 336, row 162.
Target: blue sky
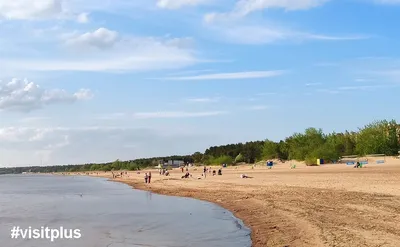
column 89, row 81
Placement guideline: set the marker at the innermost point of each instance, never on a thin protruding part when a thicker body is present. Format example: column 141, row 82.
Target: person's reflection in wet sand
column 149, row 194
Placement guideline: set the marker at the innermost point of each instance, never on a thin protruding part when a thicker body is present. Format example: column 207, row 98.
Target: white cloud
column 237, row 27
column 266, row 94
column 30, row 9
column 203, row 100
column 313, row 84
column 107, row 51
column 176, row 114
column 244, row 7
column 257, row 34
column 230, row 76
column 176, row 4
column 102, row 38
column 62, row 145
column 83, row 18
column 23, row 95
column 368, row 87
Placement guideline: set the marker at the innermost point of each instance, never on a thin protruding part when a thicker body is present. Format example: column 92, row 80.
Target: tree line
column 379, row 137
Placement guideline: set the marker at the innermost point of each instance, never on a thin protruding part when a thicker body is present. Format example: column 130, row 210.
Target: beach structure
column 367, row 159
column 349, row 159
column 378, row 158
column 172, row 163
column 320, row 162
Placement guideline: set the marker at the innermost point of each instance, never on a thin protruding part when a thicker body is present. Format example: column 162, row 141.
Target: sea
column 82, row 211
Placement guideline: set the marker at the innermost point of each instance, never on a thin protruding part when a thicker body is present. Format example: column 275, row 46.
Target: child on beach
column 149, row 178
column 146, row 177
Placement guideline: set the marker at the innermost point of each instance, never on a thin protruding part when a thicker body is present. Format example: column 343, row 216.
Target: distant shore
column 331, row 205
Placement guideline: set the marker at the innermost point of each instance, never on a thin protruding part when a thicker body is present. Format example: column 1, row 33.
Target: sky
column 86, row 81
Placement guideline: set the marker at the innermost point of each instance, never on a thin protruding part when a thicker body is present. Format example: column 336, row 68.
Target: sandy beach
column 331, row 205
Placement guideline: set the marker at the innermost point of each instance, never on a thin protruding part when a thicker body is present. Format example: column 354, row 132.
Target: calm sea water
column 111, row 214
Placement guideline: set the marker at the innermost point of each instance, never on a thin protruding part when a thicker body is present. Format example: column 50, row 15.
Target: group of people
column 187, row 175
column 164, row 171
column 357, row 165
column 213, row 171
column 147, row 177
column 116, row 175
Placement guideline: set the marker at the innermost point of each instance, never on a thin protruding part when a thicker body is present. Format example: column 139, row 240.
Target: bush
column 224, row 159
column 239, row 158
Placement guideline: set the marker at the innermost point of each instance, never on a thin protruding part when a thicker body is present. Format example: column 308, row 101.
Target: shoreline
column 333, row 205
column 192, row 194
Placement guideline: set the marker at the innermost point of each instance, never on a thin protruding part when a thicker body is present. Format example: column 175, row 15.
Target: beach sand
column 331, row 205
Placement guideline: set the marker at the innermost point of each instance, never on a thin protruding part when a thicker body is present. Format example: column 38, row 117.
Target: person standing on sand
column 146, row 177
column 205, row 171
column 149, row 179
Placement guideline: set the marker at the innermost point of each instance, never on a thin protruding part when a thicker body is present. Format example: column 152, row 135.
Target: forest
column 379, row 137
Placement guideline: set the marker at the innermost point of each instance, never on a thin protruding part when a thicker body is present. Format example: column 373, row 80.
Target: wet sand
column 330, row 205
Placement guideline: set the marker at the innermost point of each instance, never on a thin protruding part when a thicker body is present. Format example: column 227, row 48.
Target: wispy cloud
column 237, row 26
column 176, row 4
column 203, row 100
column 177, row 114
column 112, row 116
column 369, row 87
column 245, row 7
column 387, row 2
column 266, row 34
column 312, row 84
column 30, row 120
column 359, row 88
column 258, row 107
column 107, row 51
column 190, row 72
column 327, row 64
column 230, row 76
column 330, row 91
column 362, row 80
column 266, row 94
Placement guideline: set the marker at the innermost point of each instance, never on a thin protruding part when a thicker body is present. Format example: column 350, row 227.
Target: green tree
column 197, row 157
column 252, row 151
column 270, row 150
column 373, row 139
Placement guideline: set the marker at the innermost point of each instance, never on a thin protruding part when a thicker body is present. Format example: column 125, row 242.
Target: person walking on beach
column 149, row 178
column 205, row 171
column 146, row 177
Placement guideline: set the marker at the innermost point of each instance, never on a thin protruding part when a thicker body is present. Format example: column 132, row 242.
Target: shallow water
column 111, row 214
